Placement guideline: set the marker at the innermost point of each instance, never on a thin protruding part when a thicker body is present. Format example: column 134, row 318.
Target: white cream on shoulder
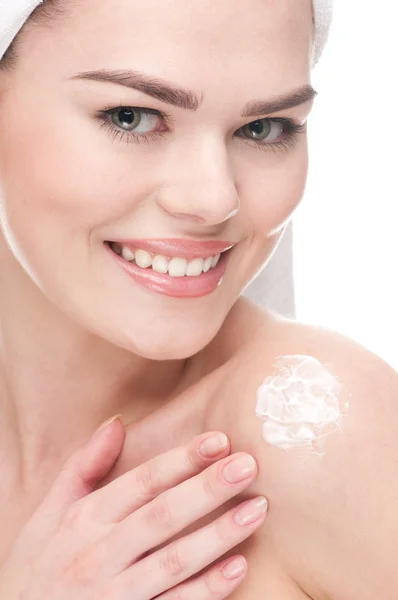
column 301, row 404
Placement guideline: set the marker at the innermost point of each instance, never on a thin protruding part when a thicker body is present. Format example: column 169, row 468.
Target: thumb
column 87, row 466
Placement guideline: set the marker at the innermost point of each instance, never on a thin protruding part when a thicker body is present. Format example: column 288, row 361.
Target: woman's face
column 188, row 154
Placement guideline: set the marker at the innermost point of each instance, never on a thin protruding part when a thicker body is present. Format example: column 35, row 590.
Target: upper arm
column 333, row 517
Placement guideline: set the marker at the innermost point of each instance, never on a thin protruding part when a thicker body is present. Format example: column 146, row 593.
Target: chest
column 265, row 577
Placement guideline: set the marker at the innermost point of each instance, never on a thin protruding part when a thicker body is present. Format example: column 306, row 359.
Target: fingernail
column 239, row 468
column 213, row 445
column 251, row 511
column 235, row 568
column 107, row 422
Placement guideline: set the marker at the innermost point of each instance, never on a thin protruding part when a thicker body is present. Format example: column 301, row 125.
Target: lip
column 174, row 287
column 178, row 248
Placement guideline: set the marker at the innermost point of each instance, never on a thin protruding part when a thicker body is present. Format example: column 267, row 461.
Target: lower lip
column 175, row 287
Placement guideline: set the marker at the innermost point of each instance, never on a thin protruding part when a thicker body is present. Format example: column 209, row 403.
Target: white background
column 346, row 239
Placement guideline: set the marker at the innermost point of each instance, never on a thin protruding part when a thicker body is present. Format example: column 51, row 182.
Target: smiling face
column 186, row 153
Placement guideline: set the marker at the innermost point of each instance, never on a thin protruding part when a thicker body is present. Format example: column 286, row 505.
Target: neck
column 58, row 382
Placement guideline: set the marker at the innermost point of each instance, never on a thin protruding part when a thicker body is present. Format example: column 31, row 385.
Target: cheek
column 74, row 179
column 270, row 198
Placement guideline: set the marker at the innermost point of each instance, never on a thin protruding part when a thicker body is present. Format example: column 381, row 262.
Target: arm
column 333, row 519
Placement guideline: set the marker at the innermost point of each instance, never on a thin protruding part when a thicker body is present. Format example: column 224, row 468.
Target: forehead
column 189, row 40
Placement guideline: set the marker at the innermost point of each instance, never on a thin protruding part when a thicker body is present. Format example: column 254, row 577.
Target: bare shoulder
column 333, row 519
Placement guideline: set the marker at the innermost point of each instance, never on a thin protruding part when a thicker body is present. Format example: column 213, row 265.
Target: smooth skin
column 332, row 523
column 105, row 543
column 80, row 342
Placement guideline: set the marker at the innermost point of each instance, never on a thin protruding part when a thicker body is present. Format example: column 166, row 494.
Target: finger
column 215, row 584
column 175, row 509
column 170, row 566
column 137, row 487
column 86, row 467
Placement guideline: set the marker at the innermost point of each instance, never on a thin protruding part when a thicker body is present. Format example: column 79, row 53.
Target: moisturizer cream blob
column 300, row 405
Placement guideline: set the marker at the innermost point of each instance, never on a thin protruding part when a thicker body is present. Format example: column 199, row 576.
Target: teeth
column 143, row 259
column 175, row 267
column 159, row 264
column 127, row 254
column 214, row 260
column 207, row 264
column 195, row 267
column 178, row 267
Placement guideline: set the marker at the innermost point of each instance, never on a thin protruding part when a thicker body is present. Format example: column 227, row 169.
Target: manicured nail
column 235, row 568
column 251, row 511
column 107, row 422
column 240, row 468
column 213, row 445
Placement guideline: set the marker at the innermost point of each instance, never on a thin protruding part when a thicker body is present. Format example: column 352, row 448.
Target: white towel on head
column 323, row 10
column 14, row 13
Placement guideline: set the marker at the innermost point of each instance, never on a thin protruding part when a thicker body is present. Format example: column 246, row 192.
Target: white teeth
column 178, row 267
column 143, row 259
column 159, row 264
column 207, row 264
column 195, row 267
column 214, row 260
column 175, row 267
column 127, row 254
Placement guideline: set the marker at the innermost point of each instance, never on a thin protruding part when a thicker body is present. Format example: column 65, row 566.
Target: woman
column 164, row 150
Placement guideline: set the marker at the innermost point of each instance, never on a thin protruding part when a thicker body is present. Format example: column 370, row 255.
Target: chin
column 162, row 328
column 144, row 323
column 179, row 350
column 152, row 335
column 160, row 343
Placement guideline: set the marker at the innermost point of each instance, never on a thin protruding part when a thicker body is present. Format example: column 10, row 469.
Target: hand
column 111, row 543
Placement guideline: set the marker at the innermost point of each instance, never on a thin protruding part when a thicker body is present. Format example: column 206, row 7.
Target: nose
column 199, row 184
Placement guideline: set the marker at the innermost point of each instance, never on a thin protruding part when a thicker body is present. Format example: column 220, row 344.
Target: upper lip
column 180, row 248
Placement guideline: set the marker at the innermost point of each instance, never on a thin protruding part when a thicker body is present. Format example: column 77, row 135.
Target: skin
column 333, row 518
column 74, row 350
column 332, row 514
column 80, row 343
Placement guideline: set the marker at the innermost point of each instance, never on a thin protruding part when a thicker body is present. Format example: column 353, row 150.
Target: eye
column 136, row 120
column 263, row 130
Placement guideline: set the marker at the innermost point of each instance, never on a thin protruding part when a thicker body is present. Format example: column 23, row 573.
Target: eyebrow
column 187, row 99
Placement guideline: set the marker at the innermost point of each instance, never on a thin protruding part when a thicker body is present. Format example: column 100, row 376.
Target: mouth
column 176, row 268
